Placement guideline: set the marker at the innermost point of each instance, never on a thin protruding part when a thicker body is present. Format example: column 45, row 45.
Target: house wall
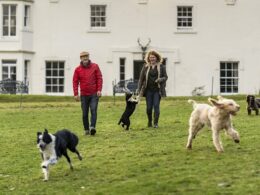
column 61, row 30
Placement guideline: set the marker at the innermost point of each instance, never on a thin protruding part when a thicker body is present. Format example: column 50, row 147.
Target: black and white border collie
column 53, row 146
column 131, row 102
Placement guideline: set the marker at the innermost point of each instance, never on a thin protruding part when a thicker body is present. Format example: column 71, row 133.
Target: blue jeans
column 153, row 102
column 89, row 102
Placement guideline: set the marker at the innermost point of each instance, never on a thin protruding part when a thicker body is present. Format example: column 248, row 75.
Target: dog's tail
column 194, row 103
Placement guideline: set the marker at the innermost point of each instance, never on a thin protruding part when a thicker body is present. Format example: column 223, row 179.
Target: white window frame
column 100, row 29
column 9, row 64
column 96, row 13
column 187, row 29
column 26, row 71
column 9, row 25
column 54, row 78
column 27, row 16
column 122, row 64
column 229, row 77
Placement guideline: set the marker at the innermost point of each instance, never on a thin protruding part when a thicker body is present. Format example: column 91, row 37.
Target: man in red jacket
column 88, row 77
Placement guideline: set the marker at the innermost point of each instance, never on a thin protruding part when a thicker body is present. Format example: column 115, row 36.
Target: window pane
column 61, row 72
column 13, row 70
column 48, row 89
column 55, row 81
column 54, row 73
column 5, row 70
column 48, row 73
column 229, row 73
column 5, row 10
column 13, row 31
column 61, row 81
column 26, row 15
column 5, row 31
column 122, row 77
column 48, row 65
column 61, row 65
column 13, row 10
column 61, row 89
column 13, row 21
column 222, row 81
column 54, row 89
column 4, row 76
column 235, row 89
column 48, row 81
column 235, row 66
column 122, row 61
column 229, row 66
column 13, row 77
column 235, row 82
column 5, row 21
column 235, row 73
column 228, row 89
column 229, row 81
column 222, row 65
column 55, row 65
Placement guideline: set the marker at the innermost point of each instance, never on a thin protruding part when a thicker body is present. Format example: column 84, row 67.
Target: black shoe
column 92, row 131
column 149, row 124
column 86, row 132
column 155, row 126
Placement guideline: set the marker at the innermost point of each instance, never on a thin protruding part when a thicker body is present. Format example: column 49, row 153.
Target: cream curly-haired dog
column 217, row 117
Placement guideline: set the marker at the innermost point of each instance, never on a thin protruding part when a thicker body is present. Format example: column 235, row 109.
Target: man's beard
column 85, row 62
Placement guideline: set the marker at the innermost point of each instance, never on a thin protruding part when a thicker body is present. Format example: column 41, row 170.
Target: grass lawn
column 140, row 161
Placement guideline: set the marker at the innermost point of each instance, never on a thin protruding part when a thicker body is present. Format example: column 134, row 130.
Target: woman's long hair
column 154, row 53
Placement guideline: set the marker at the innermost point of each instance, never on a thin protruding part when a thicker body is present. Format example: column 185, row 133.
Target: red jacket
column 89, row 78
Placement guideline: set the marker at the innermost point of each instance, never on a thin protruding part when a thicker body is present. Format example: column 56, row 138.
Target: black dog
column 130, row 108
column 53, row 146
column 252, row 104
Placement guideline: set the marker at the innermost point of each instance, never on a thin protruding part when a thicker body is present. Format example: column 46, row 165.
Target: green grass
column 140, row 161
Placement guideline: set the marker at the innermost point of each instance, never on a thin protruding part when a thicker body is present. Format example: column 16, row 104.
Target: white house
column 211, row 43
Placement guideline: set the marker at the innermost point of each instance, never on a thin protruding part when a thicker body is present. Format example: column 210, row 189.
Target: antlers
column 142, row 46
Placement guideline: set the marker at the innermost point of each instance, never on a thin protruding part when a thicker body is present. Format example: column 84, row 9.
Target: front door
column 138, row 65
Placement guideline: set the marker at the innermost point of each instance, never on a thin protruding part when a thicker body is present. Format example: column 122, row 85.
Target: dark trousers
column 89, row 102
column 153, row 102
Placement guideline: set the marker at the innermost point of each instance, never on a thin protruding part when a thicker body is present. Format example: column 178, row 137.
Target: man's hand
column 99, row 93
column 76, row 98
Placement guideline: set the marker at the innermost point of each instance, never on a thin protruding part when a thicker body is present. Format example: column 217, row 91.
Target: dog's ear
column 45, row 130
column 215, row 103
column 247, row 98
column 220, row 97
column 127, row 91
column 38, row 134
